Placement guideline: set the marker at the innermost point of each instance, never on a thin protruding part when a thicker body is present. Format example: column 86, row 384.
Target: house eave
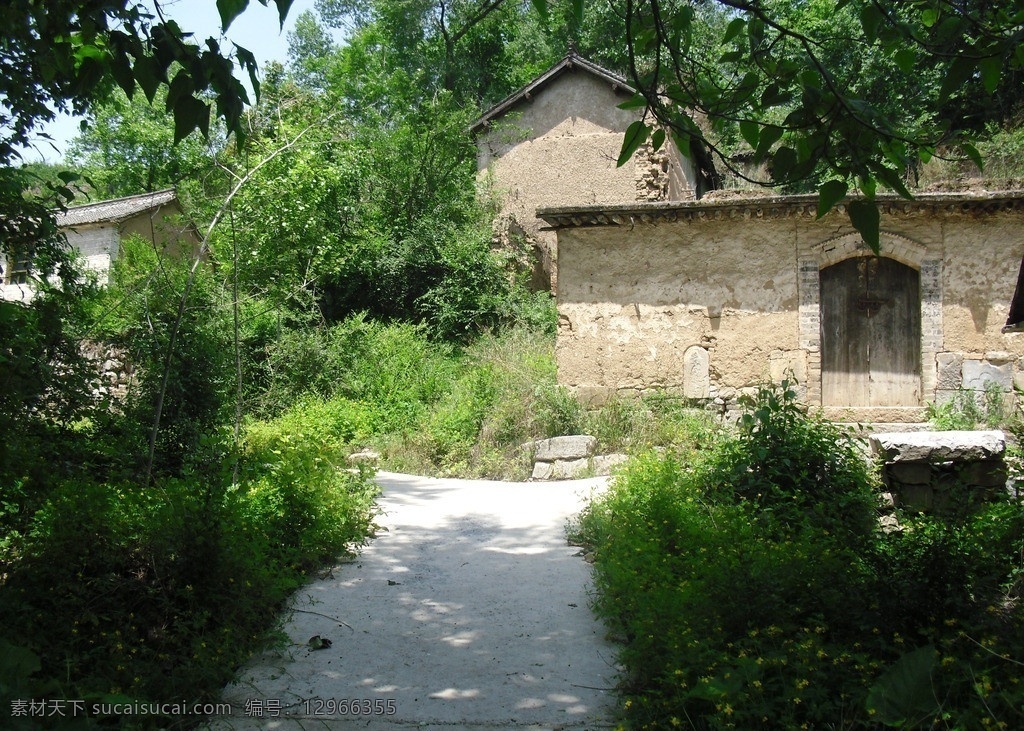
column 753, row 207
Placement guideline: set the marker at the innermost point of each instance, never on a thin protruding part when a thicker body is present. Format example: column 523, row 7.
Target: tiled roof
column 571, row 61
column 115, row 210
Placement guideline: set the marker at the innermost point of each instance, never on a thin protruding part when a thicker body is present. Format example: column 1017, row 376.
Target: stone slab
column 940, row 446
column 571, row 447
column 979, row 373
column 696, row 373
column 915, row 498
column 543, row 471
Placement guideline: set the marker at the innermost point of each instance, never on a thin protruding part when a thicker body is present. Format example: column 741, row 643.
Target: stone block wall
column 116, row 373
column 570, row 457
column 977, row 373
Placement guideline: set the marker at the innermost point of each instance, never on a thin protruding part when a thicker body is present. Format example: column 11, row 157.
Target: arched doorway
column 870, row 333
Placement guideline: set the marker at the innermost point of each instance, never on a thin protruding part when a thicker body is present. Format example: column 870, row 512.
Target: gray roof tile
column 115, row 210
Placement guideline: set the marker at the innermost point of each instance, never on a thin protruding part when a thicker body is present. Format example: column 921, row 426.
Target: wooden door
column 870, row 333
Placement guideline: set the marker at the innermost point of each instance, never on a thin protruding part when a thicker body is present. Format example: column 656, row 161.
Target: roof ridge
column 135, row 196
column 115, row 209
column 570, row 60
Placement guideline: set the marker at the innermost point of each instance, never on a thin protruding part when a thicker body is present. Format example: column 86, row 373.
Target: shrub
column 723, row 625
column 181, row 353
column 394, row 370
column 557, row 411
column 751, row 590
column 967, row 409
column 653, row 420
column 293, row 490
column 798, row 471
column 159, row 593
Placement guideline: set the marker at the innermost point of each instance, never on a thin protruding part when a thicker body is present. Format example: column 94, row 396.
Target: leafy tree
column 789, row 84
column 379, row 217
column 479, row 50
column 62, row 55
column 310, row 47
column 128, row 147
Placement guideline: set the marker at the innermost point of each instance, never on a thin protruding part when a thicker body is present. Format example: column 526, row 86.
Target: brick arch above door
column 815, row 257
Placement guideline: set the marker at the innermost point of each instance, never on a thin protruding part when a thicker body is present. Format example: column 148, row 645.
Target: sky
column 257, row 29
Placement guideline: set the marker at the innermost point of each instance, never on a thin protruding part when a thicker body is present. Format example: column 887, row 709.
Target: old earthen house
column 95, row 231
column 709, row 298
column 556, row 142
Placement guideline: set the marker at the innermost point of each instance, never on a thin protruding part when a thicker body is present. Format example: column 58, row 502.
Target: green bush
column 626, row 424
column 557, row 411
column 798, row 471
column 967, row 409
column 159, row 593
column 393, row 369
column 180, row 349
column 751, row 589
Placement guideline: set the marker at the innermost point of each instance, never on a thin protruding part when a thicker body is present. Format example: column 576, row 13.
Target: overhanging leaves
column 283, row 6
column 231, row 9
column 636, row 135
column 829, row 194
column 866, row 219
column 751, row 132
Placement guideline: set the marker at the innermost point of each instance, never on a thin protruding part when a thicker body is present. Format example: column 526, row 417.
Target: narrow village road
column 469, row 611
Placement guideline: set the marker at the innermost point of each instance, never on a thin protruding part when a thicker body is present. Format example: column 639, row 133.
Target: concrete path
column 469, row 612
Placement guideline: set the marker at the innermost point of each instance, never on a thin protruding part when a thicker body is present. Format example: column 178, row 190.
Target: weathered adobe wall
column 980, row 263
column 560, row 149
column 167, row 227
column 98, row 246
column 648, row 306
column 708, row 308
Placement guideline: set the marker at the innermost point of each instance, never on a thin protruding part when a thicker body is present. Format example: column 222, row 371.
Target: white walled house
column 95, row 230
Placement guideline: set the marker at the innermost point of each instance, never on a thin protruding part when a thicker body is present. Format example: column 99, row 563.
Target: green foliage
column 653, row 420
column 480, row 52
column 796, row 470
column 823, row 94
column 741, row 610
column 157, row 593
column 393, row 371
column 557, row 411
column 129, row 148
column 137, row 313
column 294, row 495
column 489, row 409
column 967, row 409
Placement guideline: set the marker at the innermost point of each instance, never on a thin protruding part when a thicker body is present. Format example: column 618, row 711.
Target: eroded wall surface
column 710, row 306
